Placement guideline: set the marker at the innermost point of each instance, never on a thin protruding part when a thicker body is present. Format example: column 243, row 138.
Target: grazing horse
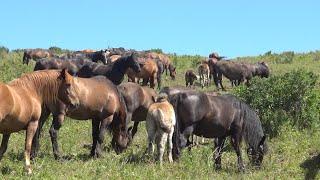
column 238, row 72
column 218, row 117
column 166, row 62
column 137, row 99
column 97, row 99
column 114, row 71
column 190, row 77
column 149, row 73
column 160, row 124
column 35, row 54
column 94, row 98
column 20, row 107
column 204, row 73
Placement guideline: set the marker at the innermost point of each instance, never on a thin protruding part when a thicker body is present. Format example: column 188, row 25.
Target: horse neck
column 45, row 86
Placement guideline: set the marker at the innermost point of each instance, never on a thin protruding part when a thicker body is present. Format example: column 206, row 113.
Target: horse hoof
column 218, row 167
column 29, row 171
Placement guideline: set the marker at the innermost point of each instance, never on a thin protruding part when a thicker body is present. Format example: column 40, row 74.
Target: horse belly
column 79, row 114
column 12, row 124
column 210, row 130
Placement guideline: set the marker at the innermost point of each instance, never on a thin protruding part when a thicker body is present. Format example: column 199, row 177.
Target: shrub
column 289, row 98
column 3, row 52
column 285, row 57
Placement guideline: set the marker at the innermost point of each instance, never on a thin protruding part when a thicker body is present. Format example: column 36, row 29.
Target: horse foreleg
column 35, row 142
column 235, row 141
column 135, row 128
column 219, row 143
column 31, row 130
column 4, row 144
column 54, row 129
column 186, row 134
column 95, row 152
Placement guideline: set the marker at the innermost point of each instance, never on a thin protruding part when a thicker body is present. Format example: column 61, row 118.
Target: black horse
column 218, row 117
column 114, row 71
column 72, row 65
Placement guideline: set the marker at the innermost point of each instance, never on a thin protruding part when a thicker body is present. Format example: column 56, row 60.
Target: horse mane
column 253, row 131
column 44, row 83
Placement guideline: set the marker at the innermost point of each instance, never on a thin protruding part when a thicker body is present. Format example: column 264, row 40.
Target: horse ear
column 154, row 98
column 62, row 75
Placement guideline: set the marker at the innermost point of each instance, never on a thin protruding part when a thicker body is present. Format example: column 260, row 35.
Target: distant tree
column 157, row 50
column 56, row 50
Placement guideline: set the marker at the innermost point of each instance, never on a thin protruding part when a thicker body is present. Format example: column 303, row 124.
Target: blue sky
column 231, row 28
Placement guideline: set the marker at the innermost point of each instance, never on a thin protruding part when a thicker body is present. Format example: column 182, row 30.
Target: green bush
column 289, row 98
column 3, row 52
column 285, row 57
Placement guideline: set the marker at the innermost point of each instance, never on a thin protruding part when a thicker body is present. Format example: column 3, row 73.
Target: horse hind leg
column 95, row 152
column 4, row 144
column 235, row 141
column 170, row 145
column 161, row 144
column 31, row 130
column 151, row 130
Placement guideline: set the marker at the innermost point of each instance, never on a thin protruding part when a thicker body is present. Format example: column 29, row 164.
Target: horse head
column 68, row 90
column 262, row 69
column 256, row 154
column 132, row 62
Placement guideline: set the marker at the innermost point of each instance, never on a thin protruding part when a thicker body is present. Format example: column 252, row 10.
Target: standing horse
column 165, row 61
column 35, row 54
column 160, row 126
column 20, row 107
column 97, row 99
column 218, row 117
column 137, row 99
column 204, row 73
column 190, row 77
column 149, row 73
column 94, row 98
column 114, row 71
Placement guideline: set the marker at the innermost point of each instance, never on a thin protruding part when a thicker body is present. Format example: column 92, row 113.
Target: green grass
column 292, row 155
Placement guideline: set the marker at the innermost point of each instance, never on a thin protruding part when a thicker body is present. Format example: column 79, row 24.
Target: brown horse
column 90, row 98
column 137, row 99
column 97, row 99
column 20, row 107
column 149, row 73
column 190, row 76
column 35, row 54
column 87, row 51
column 113, row 58
column 204, row 73
column 166, row 62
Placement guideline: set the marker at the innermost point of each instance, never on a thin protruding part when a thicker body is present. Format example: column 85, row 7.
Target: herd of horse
column 236, row 72
column 80, row 88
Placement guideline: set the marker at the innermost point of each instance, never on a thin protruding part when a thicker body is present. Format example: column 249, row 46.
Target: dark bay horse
column 239, row 71
column 114, row 71
column 137, row 99
column 94, row 98
column 218, row 117
column 73, row 65
column 36, row 54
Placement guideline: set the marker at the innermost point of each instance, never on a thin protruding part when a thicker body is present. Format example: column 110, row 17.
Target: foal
column 160, row 126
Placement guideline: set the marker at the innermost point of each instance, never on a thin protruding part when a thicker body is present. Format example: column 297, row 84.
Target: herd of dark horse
column 77, row 86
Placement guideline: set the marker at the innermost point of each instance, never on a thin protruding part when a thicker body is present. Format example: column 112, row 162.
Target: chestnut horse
column 35, row 54
column 94, row 98
column 190, row 76
column 149, row 73
column 137, row 99
column 20, row 107
column 98, row 99
column 166, row 62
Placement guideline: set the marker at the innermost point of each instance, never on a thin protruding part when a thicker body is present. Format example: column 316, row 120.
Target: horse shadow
column 311, row 166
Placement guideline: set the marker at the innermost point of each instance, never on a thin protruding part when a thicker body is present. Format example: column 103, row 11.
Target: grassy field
column 293, row 154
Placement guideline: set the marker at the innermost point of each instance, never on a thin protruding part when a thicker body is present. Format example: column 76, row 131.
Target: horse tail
column 252, row 127
column 163, row 125
column 174, row 100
